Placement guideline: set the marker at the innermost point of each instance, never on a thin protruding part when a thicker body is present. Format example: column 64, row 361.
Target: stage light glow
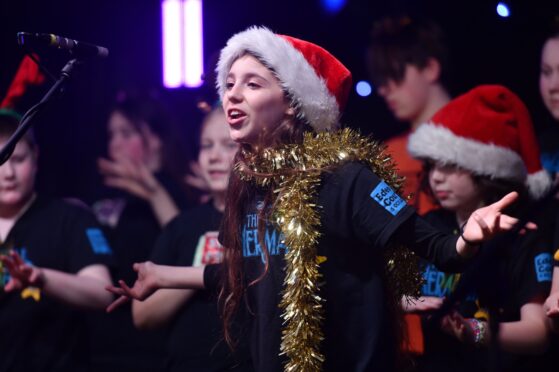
column 193, row 43
column 503, row 10
column 183, row 59
column 171, row 23
column 363, row 88
column 333, row 6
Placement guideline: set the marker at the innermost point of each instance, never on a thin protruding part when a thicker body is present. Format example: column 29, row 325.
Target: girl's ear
column 290, row 111
column 432, row 71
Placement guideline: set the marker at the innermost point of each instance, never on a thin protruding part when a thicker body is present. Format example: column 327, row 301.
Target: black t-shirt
column 195, row 341
column 360, row 216
column 39, row 333
column 504, row 280
column 132, row 229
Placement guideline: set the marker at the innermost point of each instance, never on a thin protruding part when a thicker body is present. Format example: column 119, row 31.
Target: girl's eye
column 18, row 158
column 229, row 85
column 253, row 85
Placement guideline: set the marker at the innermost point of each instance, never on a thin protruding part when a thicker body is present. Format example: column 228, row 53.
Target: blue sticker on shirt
column 543, row 267
column 98, row 242
column 550, row 161
column 387, row 198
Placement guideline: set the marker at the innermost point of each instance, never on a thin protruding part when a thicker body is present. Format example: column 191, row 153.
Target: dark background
column 484, row 49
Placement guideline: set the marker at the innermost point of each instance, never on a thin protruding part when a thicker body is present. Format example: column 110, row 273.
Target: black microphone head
column 74, row 47
column 102, row 51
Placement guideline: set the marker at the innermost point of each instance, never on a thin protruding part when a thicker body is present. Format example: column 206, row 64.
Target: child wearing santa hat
column 476, row 149
column 310, row 214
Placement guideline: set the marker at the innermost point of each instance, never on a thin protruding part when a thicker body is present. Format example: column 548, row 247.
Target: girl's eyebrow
column 248, row 75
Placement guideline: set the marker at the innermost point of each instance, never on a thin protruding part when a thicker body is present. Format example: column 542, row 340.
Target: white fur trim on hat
column 311, row 96
column 539, row 183
column 436, row 142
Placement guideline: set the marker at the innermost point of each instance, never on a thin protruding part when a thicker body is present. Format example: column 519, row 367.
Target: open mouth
column 235, row 116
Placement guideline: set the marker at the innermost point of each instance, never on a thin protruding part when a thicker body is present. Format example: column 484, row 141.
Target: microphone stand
column 27, row 119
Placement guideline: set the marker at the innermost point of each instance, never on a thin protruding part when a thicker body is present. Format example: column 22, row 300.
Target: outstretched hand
column 22, row 275
column 488, row 221
column 421, row 304
column 146, row 284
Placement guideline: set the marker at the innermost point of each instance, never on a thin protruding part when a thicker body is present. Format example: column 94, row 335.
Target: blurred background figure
column 408, row 61
column 549, row 90
column 195, row 342
column 144, row 168
column 54, row 260
column 478, row 148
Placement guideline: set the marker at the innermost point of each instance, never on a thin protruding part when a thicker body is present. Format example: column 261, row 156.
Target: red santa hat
column 487, row 131
column 315, row 80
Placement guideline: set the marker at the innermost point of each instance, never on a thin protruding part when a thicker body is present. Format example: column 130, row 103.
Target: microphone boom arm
column 27, row 119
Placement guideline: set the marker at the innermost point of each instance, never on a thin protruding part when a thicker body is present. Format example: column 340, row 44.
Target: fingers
column 531, row 226
column 115, row 290
column 10, row 265
column 117, row 303
column 108, row 167
column 507, row 223
column 123, row 290
column 134, row 178
column 130, row 292
column 481, row 223
column 505, row 201
column 117, row 168
column 17, row 258
column 11, row 286
column 196, row 179
column 129, row 185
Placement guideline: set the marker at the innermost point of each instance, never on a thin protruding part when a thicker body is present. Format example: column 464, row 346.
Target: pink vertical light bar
column 172, row 43
column 193, row 53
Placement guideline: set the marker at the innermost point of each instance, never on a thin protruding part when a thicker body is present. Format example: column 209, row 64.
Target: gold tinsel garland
column 294, row 171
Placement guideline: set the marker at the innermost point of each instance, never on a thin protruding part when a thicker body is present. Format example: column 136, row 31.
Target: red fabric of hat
column 487, row 131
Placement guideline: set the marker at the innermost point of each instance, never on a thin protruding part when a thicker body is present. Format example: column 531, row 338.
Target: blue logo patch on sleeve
column 387, row 198
column 98, row 241
column 542, row 263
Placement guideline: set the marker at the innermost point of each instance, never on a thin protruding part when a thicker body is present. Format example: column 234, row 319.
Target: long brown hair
column 239, row 193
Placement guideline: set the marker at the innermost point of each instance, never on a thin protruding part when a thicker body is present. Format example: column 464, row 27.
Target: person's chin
column 11, row 200
column 238, row 134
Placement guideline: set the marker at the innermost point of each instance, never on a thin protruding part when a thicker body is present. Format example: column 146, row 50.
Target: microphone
column 75, row 47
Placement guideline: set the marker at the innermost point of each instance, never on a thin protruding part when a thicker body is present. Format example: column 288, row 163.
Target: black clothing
column 38, row 332
column 504, row 277
column 195, row 340
column 360, row 217
column 132, row 229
